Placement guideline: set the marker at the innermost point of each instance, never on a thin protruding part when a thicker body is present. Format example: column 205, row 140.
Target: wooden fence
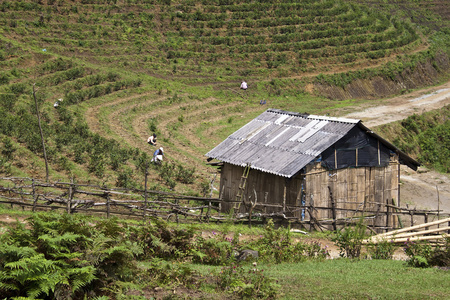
column 135, row 203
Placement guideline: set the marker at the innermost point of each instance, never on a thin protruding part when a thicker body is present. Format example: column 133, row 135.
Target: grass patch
column 365, row 279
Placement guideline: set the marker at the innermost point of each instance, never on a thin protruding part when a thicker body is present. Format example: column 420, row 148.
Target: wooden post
column 379, row 154
column 335, row 158
column 398, row 215
column 108, row 204
column 411, row 212
column 333, row 209
column 176, row 211
column 425, row 220
column 35, row 198
column 438, row 204
column 253, row 205
column 398, row 184
column 70, row 196
column 266, row 194
column 145, row 192
column 388, row 215
column 375, row 220
column 220, row 202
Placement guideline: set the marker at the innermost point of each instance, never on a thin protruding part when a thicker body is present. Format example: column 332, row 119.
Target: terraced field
column 125, row 69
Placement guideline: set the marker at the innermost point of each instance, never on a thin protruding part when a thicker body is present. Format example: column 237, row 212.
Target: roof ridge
column 313, row 117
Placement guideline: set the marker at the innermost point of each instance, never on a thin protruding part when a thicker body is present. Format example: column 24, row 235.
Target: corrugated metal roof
column 281, row 142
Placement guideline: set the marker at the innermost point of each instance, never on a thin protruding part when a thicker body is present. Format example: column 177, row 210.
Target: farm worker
column 57, row 103
column 243, row 85
column 152, row 140
column 158, row 155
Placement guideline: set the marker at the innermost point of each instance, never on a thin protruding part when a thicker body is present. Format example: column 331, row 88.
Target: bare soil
column 398, row 108
column 424, row 189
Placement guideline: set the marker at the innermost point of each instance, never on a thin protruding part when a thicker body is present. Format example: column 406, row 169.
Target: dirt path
column 401, row 107
column 425, row 188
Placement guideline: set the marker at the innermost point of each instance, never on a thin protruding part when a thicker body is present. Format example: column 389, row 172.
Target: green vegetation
column 349, row 279
column 127, row 69
column 61, row 256
column 426, row 136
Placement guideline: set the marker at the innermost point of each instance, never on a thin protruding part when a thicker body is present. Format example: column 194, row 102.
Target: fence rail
column 73, row 198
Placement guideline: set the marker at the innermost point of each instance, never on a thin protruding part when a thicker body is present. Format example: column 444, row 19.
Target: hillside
column 125, row 69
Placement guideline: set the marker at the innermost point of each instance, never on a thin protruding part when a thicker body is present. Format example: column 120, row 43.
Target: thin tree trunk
column 40, row 130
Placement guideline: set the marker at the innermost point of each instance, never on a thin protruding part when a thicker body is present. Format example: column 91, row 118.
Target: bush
column 382, row 250
column 419, row 253
column 249, row 283
column 163, row 273
column 159, row 240
column 349, row 240
column 62, row 257
column 422, row 254
column 276, row 245
column 185, row 175
column 8, row 148
column 167, row 172
column 441, row 255
column 213, row 251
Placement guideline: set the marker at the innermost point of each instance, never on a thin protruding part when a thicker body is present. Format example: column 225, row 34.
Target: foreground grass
column 347, row 279
column 312, row 279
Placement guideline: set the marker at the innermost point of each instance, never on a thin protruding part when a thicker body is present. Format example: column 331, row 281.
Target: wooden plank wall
column 269, row 188
column 355, row 189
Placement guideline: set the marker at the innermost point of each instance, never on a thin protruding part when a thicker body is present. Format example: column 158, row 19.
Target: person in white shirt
column 152, row 140
column 158, row 156
column 243, row 85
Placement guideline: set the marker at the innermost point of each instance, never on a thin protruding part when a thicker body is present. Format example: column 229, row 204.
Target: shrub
column 382, row 250
column 250, row 283
column 276, row 245
column 419, row 253
column 213, row 251
column 62, row 257
column 159, row 240
column 4, row 78
column 185, row 175
column 349, row 240
column 441, row 255
column 164, row 273
column 8, row 148
column 167, row 172
column 125, row 178
column 422, row 254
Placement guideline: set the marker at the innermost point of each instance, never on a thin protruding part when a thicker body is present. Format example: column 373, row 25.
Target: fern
column 61, row 256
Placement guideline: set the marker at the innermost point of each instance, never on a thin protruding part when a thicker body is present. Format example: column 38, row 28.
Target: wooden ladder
column 242, row 184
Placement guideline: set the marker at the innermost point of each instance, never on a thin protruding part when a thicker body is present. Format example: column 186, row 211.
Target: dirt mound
column 424, row 74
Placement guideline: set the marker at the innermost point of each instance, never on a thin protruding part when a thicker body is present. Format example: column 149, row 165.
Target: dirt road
column 423, row 189
column 401, row 107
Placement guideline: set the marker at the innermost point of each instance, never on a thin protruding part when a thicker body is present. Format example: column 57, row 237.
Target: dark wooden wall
column 353, row 190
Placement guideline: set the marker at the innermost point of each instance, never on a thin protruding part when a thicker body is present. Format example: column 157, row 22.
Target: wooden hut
column 288, row 162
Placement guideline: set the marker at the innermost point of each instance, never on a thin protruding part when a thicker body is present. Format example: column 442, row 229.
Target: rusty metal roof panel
column 280, row 142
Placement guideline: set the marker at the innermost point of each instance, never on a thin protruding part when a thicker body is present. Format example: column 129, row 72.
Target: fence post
column 388, row 216
column 145, row 192
column 333, row 209
column 34, row 195
column 375, row 220
column 425, row 220
column 69, row 200
column 411, row 213
column 108, row 204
